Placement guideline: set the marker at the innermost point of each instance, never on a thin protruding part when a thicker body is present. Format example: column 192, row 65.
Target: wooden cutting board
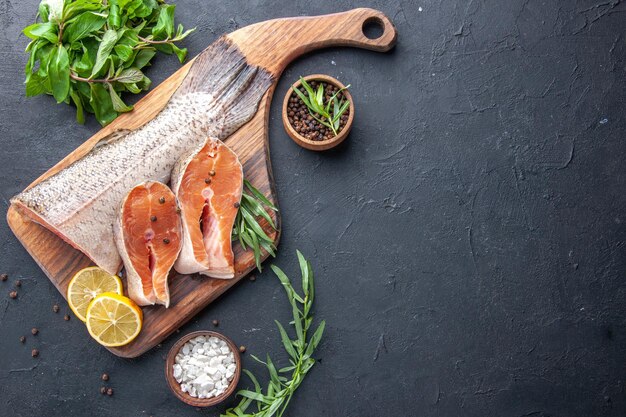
column 272, row 45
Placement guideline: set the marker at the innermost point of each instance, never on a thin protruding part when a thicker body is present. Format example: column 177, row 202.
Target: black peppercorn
column 216, row 323
column 34, row 331
column 162, row 200
column 22, row 339
column 18, row 283
column 55, row 308
column 103, row 390
column 110, row 392
column 4, row 277
column 242, row 349
column 105, row 377
column 66, row 317
column 13, row 294
column 34, row 353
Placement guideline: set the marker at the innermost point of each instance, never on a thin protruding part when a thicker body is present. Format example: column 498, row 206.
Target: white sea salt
column 204, row 367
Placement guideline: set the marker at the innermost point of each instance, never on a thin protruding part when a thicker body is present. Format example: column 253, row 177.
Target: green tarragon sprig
column 247, row 229
column 320, row 110
column 88, row 52
column 274, row 400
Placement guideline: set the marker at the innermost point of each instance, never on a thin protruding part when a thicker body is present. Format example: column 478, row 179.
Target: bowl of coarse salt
column 203, row 368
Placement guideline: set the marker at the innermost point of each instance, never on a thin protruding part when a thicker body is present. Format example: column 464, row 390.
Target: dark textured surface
column 468, row 238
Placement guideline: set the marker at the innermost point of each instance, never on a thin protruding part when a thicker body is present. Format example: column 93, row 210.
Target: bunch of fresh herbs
column 247, row 229
column 327, row 113
column 88, row 52
column 275, row 398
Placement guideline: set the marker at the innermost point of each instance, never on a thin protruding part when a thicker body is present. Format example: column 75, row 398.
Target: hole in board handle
column 373, row 28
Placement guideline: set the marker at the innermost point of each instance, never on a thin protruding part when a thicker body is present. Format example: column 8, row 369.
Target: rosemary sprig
column 320, row 110
column 247, row 229
column 275, row 399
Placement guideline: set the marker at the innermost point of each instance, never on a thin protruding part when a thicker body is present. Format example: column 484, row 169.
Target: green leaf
column 259, row 195
column 114, row 19
column 143, row 57
column 36, row 85
column 80, row 114
column 47, row 31
column 286, row 341
column 118, row 104
column 304, row 271
column 320, row 96
column 59, row 70
column 130, row 76
column 297, row 323
column 125, row 52
column 101, row 103
column 84, row 25
column 165, row 25
column 73, row 8
column 315, row 340
column 43, row 12
column 104, row 50
column 181, row 53
column 253, row 395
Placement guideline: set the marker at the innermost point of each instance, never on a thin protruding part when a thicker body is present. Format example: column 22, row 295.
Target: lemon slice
column 86, row 285
column 113, row 320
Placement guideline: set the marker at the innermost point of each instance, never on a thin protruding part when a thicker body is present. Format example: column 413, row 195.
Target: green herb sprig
column 88, row 52
column 247, row 229
column 320, row 110
column 274, row 400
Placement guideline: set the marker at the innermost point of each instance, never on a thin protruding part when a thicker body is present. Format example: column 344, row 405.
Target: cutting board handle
column 275, row 43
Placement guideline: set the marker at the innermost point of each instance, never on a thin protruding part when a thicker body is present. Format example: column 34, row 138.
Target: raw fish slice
column 219, row 94
column 208, row 185
column 148, row 236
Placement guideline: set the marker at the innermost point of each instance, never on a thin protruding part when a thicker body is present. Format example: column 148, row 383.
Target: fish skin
column 208, row 249
column 141, row 233
column 220, row 93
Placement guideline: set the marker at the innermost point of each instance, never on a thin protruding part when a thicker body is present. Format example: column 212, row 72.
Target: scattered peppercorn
column 216, row 323
column 166, row 241
column 55, row 308
column 105, row 377
column 18, row 283
column 66, row 317
column 103, row 390
column 22, row 339
column 178, row 210
column 34, row 353
column 211, row 172
column 207, row 180
column 153, row 218
column 34, row 331
column 13, row 294
column 236, row 205
column 4, row 277
column 242, row 349
column 252, row 277
column 162, row 200
column 110, row 392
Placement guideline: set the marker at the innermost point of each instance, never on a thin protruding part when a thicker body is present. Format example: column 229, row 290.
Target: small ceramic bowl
column 175, row 386
column 318, row 145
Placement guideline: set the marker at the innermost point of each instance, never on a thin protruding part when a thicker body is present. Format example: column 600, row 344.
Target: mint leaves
column 89, row 52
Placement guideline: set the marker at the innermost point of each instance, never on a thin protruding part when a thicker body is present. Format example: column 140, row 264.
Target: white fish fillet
column 220, row 93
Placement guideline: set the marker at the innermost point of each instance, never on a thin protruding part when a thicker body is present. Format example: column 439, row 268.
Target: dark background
column 468, row 239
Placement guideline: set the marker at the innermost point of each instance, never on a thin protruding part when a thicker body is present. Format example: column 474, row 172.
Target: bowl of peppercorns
column 318, row 111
